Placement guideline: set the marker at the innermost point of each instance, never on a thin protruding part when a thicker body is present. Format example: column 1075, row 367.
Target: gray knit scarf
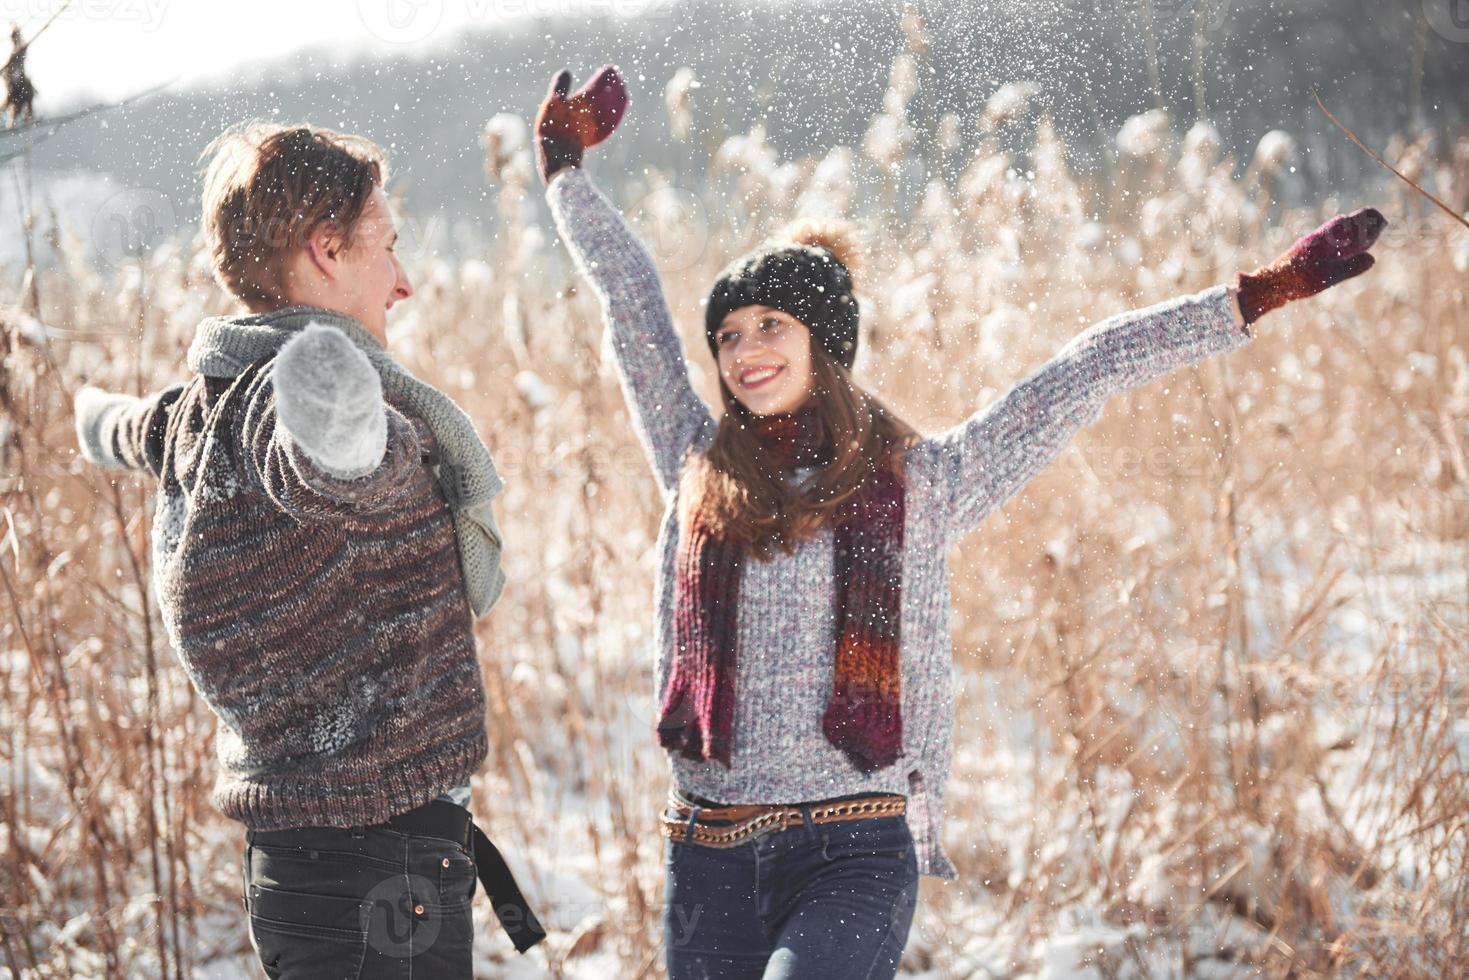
column 224, row 346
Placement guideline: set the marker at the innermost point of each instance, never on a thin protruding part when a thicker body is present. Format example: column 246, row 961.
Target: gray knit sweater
column 787, row 637
column 323, row 619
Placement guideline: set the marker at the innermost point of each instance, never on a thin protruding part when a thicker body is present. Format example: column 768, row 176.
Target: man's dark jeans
column 812, row 902
column 329, row 904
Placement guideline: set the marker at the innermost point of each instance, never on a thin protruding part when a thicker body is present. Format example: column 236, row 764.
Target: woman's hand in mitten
column 329, row 398
column 1335, row 252
column 567, row 125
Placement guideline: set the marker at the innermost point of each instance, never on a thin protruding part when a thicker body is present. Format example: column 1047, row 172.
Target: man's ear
column 324, row 246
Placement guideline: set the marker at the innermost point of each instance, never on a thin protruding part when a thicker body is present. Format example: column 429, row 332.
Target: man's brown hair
column 268, row 186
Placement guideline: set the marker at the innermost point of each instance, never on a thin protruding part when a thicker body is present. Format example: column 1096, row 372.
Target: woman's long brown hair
column 737, row 490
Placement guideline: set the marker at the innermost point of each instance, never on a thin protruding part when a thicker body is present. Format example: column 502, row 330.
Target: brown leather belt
column 738, row 823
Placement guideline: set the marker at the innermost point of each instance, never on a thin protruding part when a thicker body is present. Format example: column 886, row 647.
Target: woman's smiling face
column 765, row 359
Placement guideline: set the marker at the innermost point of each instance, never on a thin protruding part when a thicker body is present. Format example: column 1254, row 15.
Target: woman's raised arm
column 667, row 414
column 989, row 457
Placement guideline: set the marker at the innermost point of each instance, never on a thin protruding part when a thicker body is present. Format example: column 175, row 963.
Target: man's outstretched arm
column 122, row 431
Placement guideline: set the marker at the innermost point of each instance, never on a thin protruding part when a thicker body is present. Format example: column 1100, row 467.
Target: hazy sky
column 109, row 48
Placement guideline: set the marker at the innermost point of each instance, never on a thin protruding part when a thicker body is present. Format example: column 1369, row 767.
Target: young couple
column 324, row 539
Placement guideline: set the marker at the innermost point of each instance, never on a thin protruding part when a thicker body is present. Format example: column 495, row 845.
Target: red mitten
column 565, row 126
column 1335, row 252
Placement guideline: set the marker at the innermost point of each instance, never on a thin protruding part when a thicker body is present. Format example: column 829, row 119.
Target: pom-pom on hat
column 806, row 271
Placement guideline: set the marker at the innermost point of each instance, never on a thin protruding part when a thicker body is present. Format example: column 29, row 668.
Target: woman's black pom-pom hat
column 802, row 273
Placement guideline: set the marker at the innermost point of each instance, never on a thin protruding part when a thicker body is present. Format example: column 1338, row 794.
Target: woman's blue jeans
column 812, row 902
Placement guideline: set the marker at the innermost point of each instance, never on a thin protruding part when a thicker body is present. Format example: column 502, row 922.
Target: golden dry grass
column 1214, row 706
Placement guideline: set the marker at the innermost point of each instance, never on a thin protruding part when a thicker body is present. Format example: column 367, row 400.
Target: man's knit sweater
column 786, row 618
column 325, row 621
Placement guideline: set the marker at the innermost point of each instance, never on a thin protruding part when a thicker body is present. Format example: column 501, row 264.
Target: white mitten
column 95, row 409
column 329, row 399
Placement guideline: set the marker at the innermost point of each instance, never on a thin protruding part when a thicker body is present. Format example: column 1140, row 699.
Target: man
column 323, row 541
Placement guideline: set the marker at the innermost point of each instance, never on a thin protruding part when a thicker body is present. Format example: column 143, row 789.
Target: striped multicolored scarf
column 864, row 716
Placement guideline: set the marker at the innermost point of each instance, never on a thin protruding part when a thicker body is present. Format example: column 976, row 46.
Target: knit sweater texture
column 786, row 606
column 324, row 620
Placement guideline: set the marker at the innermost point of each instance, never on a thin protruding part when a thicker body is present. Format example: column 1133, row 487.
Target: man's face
column 369, row 278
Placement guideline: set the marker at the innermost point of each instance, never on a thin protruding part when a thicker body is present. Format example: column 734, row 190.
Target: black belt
column 440, row 818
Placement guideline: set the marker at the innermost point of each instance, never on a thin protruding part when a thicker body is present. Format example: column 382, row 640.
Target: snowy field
column 1214, row 708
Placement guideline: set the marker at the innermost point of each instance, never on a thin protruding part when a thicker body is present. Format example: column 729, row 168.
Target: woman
column 803, row 645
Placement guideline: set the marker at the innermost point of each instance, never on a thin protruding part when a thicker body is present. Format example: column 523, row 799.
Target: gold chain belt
column 750, row 819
